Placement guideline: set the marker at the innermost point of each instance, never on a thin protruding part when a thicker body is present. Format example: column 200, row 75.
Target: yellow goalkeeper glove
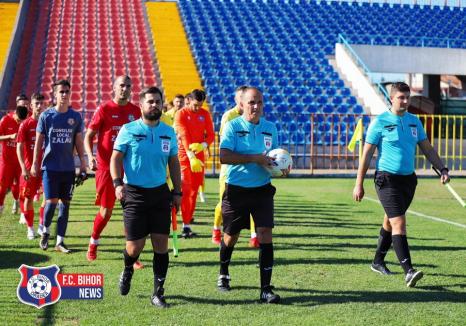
column 197, row 147
column 196, row 164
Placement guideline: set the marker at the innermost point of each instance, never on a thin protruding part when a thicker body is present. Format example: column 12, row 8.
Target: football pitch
column 324, row 243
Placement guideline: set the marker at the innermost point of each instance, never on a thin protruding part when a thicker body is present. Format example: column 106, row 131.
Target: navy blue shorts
column 58, row 184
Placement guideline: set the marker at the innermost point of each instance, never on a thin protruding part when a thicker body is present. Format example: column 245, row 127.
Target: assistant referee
column 395, row 134
column 143, row 148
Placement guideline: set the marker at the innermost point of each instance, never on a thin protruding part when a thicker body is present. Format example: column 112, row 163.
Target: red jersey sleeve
column 2, row 125
column 182, row 129
column 97, row 119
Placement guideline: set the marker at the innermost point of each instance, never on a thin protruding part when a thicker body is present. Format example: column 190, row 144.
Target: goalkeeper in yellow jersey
column 229, row 115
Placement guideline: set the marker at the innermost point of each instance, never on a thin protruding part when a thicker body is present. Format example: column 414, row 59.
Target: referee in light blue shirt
column 395, row 134
column 143, row 148
column 248, row 191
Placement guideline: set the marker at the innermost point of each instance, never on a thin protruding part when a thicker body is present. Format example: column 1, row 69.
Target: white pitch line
column 438, row 219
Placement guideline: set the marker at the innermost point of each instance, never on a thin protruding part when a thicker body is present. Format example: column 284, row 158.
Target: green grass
column 324, row 243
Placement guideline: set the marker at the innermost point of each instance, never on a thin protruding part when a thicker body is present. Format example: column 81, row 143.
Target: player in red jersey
column 21, row 100
column 106, row 122
column 195, row 132
column 10, row 170
column 29, row 185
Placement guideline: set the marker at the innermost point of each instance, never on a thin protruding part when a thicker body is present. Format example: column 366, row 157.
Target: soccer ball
column 283, row 161
column 39, row 286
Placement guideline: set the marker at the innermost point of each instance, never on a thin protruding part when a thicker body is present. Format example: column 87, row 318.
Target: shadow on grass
column 323, row 224
column 14, row 259
column 310, row 297
column 450, row 275
column 310, row 236
column 288, row 262
column 348, row 245
column 317, row 298
column 205, row 300
column 47, row 316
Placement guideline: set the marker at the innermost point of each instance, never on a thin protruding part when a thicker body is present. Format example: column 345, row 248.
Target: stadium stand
column 8, row 14
column 88, row 42
column 283, row 47
column 177, row 69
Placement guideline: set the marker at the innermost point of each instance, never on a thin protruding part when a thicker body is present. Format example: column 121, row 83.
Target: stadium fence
column 323, row 143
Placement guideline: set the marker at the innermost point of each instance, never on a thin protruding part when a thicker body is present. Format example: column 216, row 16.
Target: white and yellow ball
column 283, row 161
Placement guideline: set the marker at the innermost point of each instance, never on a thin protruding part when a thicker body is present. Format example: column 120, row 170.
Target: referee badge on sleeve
column 267, row 142
column 414, row 132
column 165, row 145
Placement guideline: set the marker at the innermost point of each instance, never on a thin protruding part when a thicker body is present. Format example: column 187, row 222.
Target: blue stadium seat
column 303, row 118
column 289, row 61
column 328, row 108
column 351, row 100
column 286, row 118
column 358, row 109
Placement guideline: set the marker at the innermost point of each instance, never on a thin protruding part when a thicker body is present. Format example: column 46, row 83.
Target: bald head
column 238, row 92
column 122, row 90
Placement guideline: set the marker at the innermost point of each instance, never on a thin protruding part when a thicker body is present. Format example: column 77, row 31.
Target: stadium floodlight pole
column 451, row 190
column 175, row 232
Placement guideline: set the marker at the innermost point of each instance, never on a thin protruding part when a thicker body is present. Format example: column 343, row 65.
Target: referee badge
column 267, row 142
column 414, row 132
column 165, row 146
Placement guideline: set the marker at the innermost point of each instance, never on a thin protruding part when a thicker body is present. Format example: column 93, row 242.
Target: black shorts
column 146, row 211
column 395, row 192
column 238, row 203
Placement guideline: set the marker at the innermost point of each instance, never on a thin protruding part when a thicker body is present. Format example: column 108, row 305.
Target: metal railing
column 439, row 3
column 323, row 143
column 404, row 40
column 366, row 70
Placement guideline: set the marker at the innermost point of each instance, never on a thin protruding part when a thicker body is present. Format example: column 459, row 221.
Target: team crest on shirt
column 268, row 142
column 165, row 146
column 414, row 132
column 71, row 121
column 201, row 118
column 130, row 117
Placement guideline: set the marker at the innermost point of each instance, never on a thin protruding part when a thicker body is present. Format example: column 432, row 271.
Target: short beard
column 153, row 117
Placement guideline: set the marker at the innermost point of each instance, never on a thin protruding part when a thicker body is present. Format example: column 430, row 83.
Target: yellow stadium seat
column 8, row 13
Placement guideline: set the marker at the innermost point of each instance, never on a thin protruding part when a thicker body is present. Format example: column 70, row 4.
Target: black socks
column 383, row 245
column 159, row 267
column 400, row 244
column 266, row 263
column 129, row 261
column 225, row 257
